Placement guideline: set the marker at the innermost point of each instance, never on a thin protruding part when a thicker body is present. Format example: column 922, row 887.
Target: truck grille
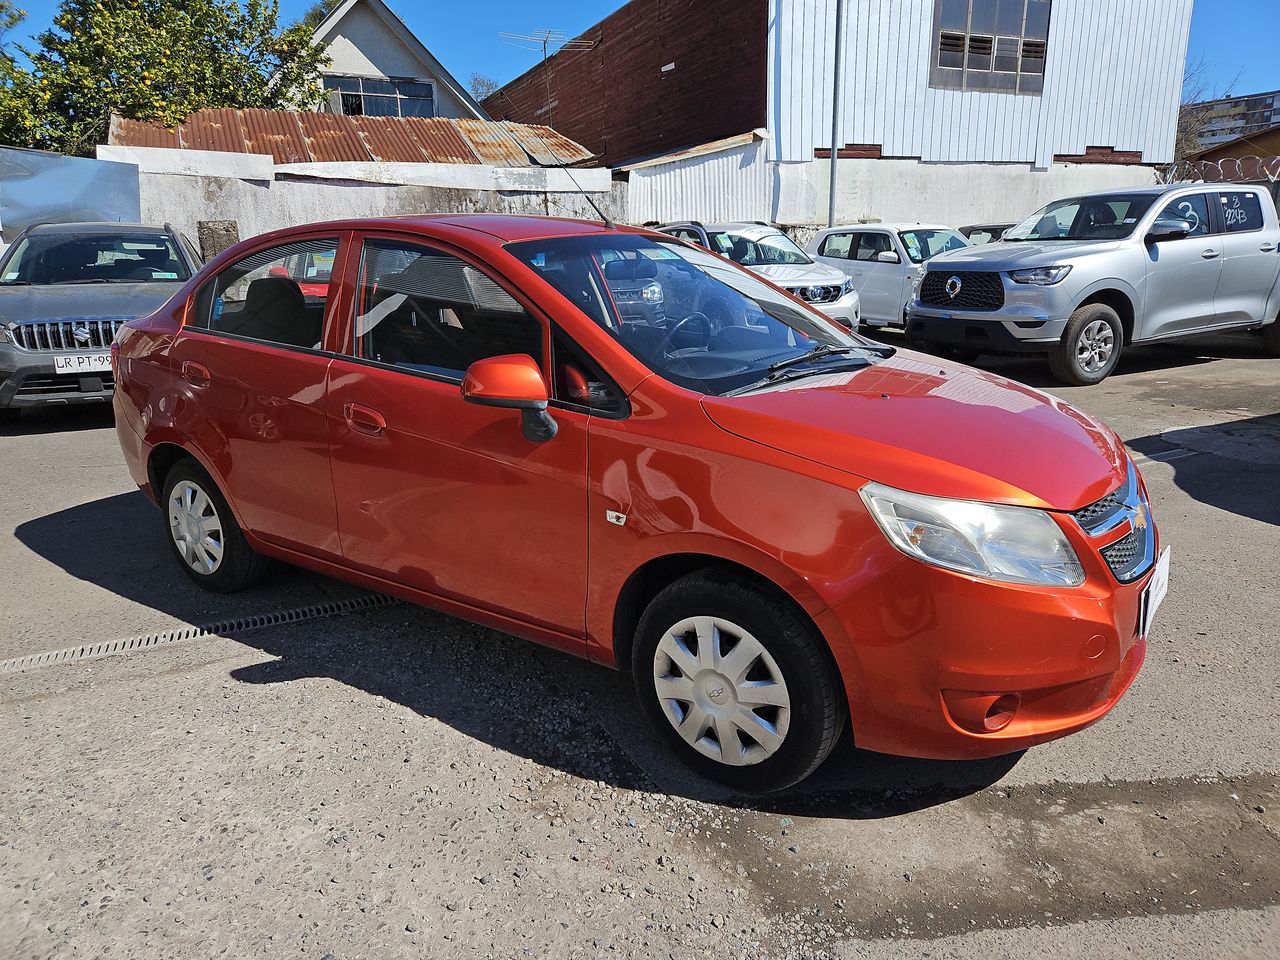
column 72, row 334
column 977, row 291
column 821, row 293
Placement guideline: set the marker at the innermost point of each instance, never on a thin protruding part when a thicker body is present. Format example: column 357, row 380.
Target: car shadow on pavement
column 1231, row 465
column 59, row 419
column 530, row 701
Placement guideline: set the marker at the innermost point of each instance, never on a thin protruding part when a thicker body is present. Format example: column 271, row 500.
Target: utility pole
column 836, row 96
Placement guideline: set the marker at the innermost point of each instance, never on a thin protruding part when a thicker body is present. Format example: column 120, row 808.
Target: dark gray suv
column 64, row 289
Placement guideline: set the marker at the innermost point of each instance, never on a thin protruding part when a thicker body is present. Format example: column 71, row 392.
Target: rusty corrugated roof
column 492, row 143
column 325, row 138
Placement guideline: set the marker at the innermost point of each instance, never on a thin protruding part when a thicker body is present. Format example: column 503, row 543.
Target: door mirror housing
column 888, row 256
column 513, row 381
column 1169, row 230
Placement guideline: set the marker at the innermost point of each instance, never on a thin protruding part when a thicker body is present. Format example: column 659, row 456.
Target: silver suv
column 1083, row 277
column 769, row 252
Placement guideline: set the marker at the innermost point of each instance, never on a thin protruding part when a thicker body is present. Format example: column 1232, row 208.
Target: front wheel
column 1090, row 346
column 737, row 682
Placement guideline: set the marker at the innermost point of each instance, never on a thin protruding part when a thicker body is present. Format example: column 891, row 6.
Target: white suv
column 883, row 260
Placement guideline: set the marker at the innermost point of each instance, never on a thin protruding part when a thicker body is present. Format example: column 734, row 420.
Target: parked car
column 1082, row 278
column 980, row 233
column 64, row 290
column 780, row 528
column 883, row 260
column 769, row 252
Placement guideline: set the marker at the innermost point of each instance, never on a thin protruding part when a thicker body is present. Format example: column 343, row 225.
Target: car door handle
column 1210, row 254
column 196, row 374
column 364, row 419
column 1268, row 248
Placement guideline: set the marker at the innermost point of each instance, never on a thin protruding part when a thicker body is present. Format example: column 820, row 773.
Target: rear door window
column 1241, row 211
column 270, row 295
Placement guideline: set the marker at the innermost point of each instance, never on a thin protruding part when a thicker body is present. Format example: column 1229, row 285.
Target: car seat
column 276, row 310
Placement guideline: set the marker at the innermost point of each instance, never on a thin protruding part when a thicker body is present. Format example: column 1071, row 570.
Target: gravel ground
column 398, row 783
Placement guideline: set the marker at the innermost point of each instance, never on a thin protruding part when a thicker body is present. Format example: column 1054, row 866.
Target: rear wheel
column 1090, row 346
column 1271, row 338
column 203, row 533
column 737, row 682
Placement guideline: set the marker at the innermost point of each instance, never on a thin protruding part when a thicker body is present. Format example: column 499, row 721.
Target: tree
column 482, row 86
column 1194, row 114
column 157, row 61
column 317, row 13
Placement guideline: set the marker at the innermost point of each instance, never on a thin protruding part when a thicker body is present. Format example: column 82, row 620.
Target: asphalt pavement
column 391, row 782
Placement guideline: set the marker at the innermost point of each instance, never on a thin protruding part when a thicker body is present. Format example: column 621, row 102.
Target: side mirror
column 1169, row 230
column 888, row 256
column 513, row 381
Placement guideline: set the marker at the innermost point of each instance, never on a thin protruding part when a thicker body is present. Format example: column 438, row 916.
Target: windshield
column 770, row 250
column 922, row 245
column 1084, row 218
column 52, row 258
column 687, row 315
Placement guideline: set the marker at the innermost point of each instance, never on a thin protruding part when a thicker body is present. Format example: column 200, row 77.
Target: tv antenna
column 549, row 42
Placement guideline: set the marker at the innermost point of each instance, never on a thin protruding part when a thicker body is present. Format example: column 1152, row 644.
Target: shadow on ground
column 58, row 419
column 1236, row 469
column 527, row 700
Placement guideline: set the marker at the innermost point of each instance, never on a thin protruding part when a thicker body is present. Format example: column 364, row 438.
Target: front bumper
column 29, row 379
column 926, row 645
column 1032, row 320
column 847, row 311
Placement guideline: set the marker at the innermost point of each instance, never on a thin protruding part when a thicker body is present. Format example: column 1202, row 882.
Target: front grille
column 1127, row 557
column 817, row 294
column 59, row 384
column 976, row 291
column 1133, row 554
column 1097, row 514
column 71, row 334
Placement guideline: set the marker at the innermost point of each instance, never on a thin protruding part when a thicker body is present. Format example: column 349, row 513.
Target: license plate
column 82, row 362
column 1152, row 596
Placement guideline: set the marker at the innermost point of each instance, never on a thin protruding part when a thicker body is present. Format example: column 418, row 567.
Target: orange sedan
column 628, row 448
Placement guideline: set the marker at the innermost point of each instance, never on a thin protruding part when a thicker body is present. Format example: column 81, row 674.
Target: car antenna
column 604, row 217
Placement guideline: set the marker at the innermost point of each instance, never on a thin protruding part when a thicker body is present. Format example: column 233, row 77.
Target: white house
column 380, row 68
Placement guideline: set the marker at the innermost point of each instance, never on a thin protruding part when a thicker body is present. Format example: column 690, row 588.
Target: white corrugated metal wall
column 731, row 184
column 1113, row 78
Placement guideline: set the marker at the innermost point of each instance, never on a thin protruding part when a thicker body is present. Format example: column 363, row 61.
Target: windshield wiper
column 15, row 283
column 67, row 283
column 809, row 356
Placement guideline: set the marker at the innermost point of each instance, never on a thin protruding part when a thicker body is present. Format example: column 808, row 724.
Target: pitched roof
column 397, row 26
column 289, row 137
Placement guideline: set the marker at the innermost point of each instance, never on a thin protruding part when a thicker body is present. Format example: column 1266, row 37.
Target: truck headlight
column 846, row 288
column 651, row 293
column 1040, row 276
column 1012, row 544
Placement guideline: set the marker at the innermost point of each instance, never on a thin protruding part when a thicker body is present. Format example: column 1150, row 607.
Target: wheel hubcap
column 195, row 527
column 721, row 690
column 1096, row 344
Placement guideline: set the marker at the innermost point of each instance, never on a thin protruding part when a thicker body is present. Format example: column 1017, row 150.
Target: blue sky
column 465, row 35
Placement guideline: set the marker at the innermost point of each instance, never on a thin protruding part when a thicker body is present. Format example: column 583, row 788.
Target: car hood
column 938, row 428
column 798, row 274
column 101, row 301
column 1003, row 255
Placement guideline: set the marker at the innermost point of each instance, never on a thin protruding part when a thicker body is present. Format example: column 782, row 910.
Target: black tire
column 1271, row 338
column 817, row 709
column 239, row 566
column 1065, row 358
column 10, row 415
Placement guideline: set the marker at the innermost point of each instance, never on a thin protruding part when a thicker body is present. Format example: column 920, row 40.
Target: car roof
column 98, row 226
column 887, row 226
column 751, row 231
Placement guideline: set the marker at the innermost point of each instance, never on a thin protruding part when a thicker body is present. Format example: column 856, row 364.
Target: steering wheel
column 668, row 339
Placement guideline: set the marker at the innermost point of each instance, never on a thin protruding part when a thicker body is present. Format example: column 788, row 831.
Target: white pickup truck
column 1083, row 277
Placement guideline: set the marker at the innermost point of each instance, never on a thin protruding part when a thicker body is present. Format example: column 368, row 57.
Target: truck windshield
column 766, row 251
column 689, row 316
column 53, row 258
column 1110, row 217
column 922, row 245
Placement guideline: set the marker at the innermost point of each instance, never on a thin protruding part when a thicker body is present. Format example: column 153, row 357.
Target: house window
column 990, row 45
column 380, row 97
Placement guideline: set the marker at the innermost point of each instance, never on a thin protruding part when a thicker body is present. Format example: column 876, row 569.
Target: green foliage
column 157, row 61
column 317, row 12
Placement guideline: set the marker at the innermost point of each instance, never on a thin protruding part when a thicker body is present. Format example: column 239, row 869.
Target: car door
column 1182, row 274
column 833, row 249
column 441, row 495
column 1249, row 260
column 879, row 284
column 253, row 369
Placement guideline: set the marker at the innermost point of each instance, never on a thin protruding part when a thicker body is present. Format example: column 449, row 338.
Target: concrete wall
column 258, row 206
column 950, row 193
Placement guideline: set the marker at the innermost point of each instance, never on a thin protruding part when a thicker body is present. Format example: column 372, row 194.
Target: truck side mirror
column 1169, row 230
column 888, row 256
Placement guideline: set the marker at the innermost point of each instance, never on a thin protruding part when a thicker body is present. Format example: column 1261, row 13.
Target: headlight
column 846, row 288
column 5, row 335
column 1013, row 544
column 1041, row 276
column 652, row 293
